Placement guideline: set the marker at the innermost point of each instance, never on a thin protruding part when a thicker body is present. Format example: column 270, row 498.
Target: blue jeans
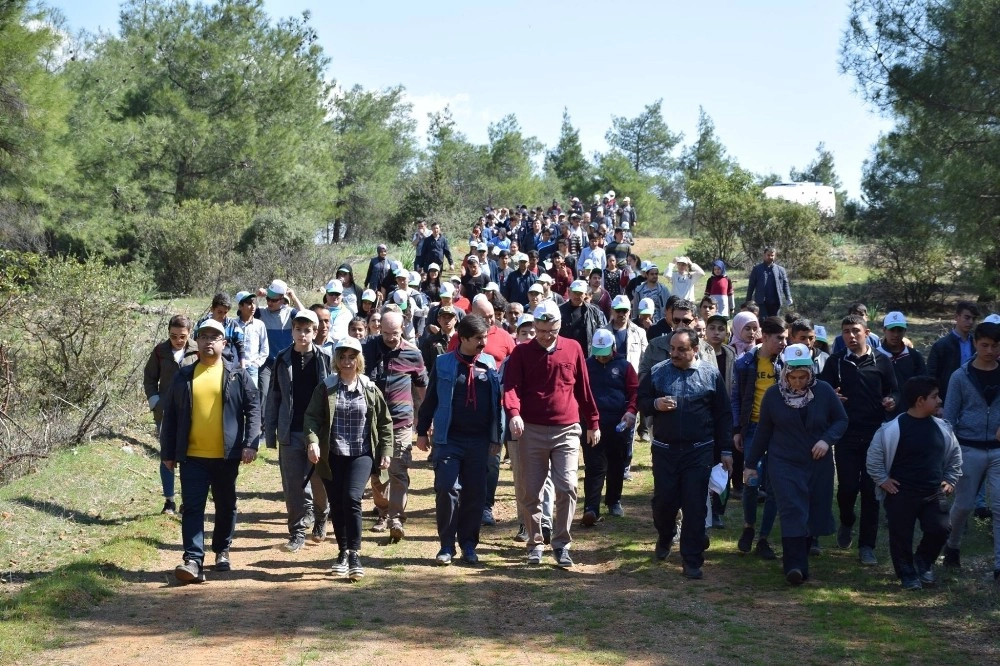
column 253, row 371
column 167, row 480
column 198, row 475
column 460, row 470
column 750, row 492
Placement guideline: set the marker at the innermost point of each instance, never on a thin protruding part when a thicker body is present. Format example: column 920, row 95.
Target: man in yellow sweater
column 211, row 423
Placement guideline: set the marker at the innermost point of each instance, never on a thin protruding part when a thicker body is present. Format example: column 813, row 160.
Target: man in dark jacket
column 866, row 382
column 435, row 249
column 211, row 423
column 907, row 362
column 378, row 268
column 515, row 288
column 768, row 285
column 955, row 349
column 580, row 319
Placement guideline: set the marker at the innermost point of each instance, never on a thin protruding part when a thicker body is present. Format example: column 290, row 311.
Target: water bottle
column 622, row 427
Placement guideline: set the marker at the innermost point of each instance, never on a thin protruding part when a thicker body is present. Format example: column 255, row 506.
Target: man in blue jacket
column 768, row 285
column 211, row 423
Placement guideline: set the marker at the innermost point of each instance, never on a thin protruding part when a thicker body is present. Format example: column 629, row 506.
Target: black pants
column 795, row 554
column 680, row 481
column 903, row 510
column 852, row 479
column 770, row 308
column 460, row 470
column 350, row 474
column 605, row 462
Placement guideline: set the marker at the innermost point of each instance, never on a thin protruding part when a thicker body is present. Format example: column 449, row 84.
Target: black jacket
column 864, row 383
column 944, row 359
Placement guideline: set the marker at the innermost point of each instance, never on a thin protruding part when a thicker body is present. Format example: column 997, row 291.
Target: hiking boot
column 222, row 562
column 169, row 508
column 340, row 567
column 952, row 558
column 589, row 519
column 189, row 572
column 746, row 540
column 381, row 525
column 693, row 573
column 319, row 533
column 396, row 531
column 866, row 555
column 627, row 476
column 844, row 537
column 535, row 556
column 294, row 544
column 765, row 551
column 562, row 557
column 522, row 534
column 443, row 558
column 794, row 577
column 488, row 518
column 354, row 569
column 617, row 510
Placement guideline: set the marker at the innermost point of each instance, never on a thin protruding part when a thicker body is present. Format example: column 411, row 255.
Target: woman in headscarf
column 720, row 288
column 746, row 332
column 800, row 419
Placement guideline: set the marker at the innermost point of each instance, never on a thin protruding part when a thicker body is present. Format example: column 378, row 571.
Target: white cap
column 578, row 285
column 644, row 266
column 369, row 295
column 621, row 302
column 434, row 267
column 308, row 315
column 625, row 226
column 491, row 286
column 348, row 343
column 611, row 194
column 646, row 306
column 682, row 260
column 547, row 311
column 414, row 280
column 455, row 278
column 496, row 250
column 536, row 287
column 894, row 319
column 992, row 319
column 277, row 288
column 589, row 265
column 400, row 298
column 334, row 287
column 242, row 296
column 797, row 355
column 482, row 247
column 820, row 332
column 214, row 325
column 546, row 278
column 524, row 319
column 447, row 290
column 602, row 343
column 627, row 199
column 651, row 266
column 521, row 256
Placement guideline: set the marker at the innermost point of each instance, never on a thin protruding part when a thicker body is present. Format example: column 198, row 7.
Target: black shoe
column 765, row 551
column 983, row 513
column 319, row 533
column 354, row 569
column 222, row 562
column 340, row 567
column 927, row 577
column 912, row 584
column 794, row 577
column 717, row 522
column 546, row 535
column 488, row 519
column 589, row 519
column 562, row 557
column 815, row 550
column 694, row 573
column 190, row 572
column 469, row 556
column 522, row 534
column 746, row 540
column 866, row 555
column 294, row 544
column 169, row 508
column 844, row 537
column 952, row 558
column 662, row 550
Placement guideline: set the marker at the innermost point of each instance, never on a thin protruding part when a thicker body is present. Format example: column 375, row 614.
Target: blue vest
column 446, row 369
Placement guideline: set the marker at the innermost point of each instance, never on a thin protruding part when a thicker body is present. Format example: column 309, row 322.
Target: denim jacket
column 446, row 369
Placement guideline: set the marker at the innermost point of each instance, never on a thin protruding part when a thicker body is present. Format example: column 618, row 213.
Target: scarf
column 796, row 399
column 470, row 381
column 739, row 321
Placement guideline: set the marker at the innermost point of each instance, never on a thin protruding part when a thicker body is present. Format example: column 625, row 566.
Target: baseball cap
column 491, row 286
column 277, row 288
column 473, row 259
column 578, row 285
column 524, row 319
column 602, row 343
column 414, row 280
column 992, row 319
column 308, row 315
column 894, row 319
column 547, row 311
column 797, row 355
column 334, row 287
column 401, row 299
column 446, row 309
column 820, row 332
column 456, row 278
column 521, row 256
column 447, row 290
column 545, row 277
column 348, row 343
column 212, row 324
column 369, row 295
column 401, row 272
column 482, row 247
column 433, row 267
column 620, row 302
column 536, row 287
column 718, row 317
column 644, row 266
column 242, row 296
column 646, row 306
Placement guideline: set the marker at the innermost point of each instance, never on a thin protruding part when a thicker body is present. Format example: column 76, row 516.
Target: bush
column 912, row 270
column 796, row 231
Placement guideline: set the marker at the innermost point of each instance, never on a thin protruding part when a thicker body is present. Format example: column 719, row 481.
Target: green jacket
column 319, row 417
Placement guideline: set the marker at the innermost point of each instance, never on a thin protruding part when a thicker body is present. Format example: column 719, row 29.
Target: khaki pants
column 543, row 448
column 390, row 497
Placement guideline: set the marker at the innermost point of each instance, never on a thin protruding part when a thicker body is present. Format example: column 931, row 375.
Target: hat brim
column 600, row 351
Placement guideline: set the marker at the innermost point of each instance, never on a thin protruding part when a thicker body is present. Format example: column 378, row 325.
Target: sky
column 766, row 71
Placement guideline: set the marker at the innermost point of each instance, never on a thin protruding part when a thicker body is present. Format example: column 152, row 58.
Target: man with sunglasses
column 682, row 314
column 547, row 396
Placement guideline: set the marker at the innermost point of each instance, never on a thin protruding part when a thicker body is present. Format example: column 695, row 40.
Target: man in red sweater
column 547, row 395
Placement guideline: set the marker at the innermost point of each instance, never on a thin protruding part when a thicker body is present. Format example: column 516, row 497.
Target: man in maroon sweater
column 547, row 395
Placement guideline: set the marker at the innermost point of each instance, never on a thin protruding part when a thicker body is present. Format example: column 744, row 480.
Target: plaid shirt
column 348, row 436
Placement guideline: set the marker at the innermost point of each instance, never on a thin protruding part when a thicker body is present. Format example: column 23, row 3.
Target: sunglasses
column 686, row 320
column 273, row 300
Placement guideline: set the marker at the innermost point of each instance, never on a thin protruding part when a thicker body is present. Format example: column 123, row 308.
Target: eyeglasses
column 211, row 338
column 273, row 300
column 686, row 320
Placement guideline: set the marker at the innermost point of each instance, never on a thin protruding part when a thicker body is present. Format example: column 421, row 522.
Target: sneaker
column 717, row 522
column 627, row 476
column 535, row 556
column 746, row 540
column 381, row 525
column 912, row 584
column 169, row 508
column 354, row 569
column 189, row 572
column 617, row 511
column 662, row 550
column 443, row 558
column 546, row 535
column 340, row 567
column 522, row 534
column 866, row 555
column 927, row 577
column 844, row 537
column 562, row 557
column 693, row 573
column 952, row 558
column 488, row 518
column 469, row 556
column 815, row 550
column 222, row 562
column 589, row 519
column 764, row 550
column 396, row 531
column 319, row 533
column 294, row 544
column 794, row 577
